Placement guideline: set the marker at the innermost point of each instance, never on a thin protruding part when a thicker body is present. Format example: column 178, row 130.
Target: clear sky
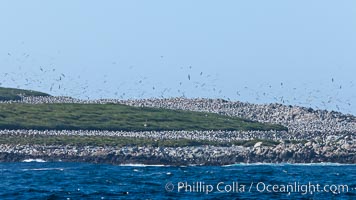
column 297, row 52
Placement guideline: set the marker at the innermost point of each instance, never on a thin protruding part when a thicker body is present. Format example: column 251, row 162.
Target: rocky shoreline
column 310, row 152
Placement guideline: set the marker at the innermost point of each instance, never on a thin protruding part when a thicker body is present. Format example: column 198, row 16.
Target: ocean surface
column 60, row 180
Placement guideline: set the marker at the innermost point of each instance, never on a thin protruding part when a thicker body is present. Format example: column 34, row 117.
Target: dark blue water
column 91, row 181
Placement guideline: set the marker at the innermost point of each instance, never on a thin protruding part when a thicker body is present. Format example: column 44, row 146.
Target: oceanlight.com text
column 257, row 187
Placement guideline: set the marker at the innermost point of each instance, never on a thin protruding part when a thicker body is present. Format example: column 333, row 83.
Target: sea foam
column 141, row 165
column 34, row 160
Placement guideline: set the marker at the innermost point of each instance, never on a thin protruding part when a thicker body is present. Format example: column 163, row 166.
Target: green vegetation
column 296, row 141
column 117, row 117
column 119, row 141
column 111, row 117
column 7, row 94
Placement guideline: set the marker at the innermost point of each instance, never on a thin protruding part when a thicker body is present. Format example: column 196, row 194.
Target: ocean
column 36, row 179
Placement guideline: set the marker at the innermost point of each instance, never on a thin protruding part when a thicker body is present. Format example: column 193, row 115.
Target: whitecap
column 141, row 165
column 43, row 169
column 323, row 164
column 34, row 160
column 251, row 164
column 290, row 164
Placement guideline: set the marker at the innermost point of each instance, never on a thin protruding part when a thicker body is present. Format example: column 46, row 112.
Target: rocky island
column 173, row 131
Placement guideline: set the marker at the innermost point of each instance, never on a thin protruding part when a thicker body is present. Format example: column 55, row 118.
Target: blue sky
column 296, row 52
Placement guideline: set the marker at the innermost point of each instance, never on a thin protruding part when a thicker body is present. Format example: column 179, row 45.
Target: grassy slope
column 120, row 141
column 7, row 94
column 117, row 117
